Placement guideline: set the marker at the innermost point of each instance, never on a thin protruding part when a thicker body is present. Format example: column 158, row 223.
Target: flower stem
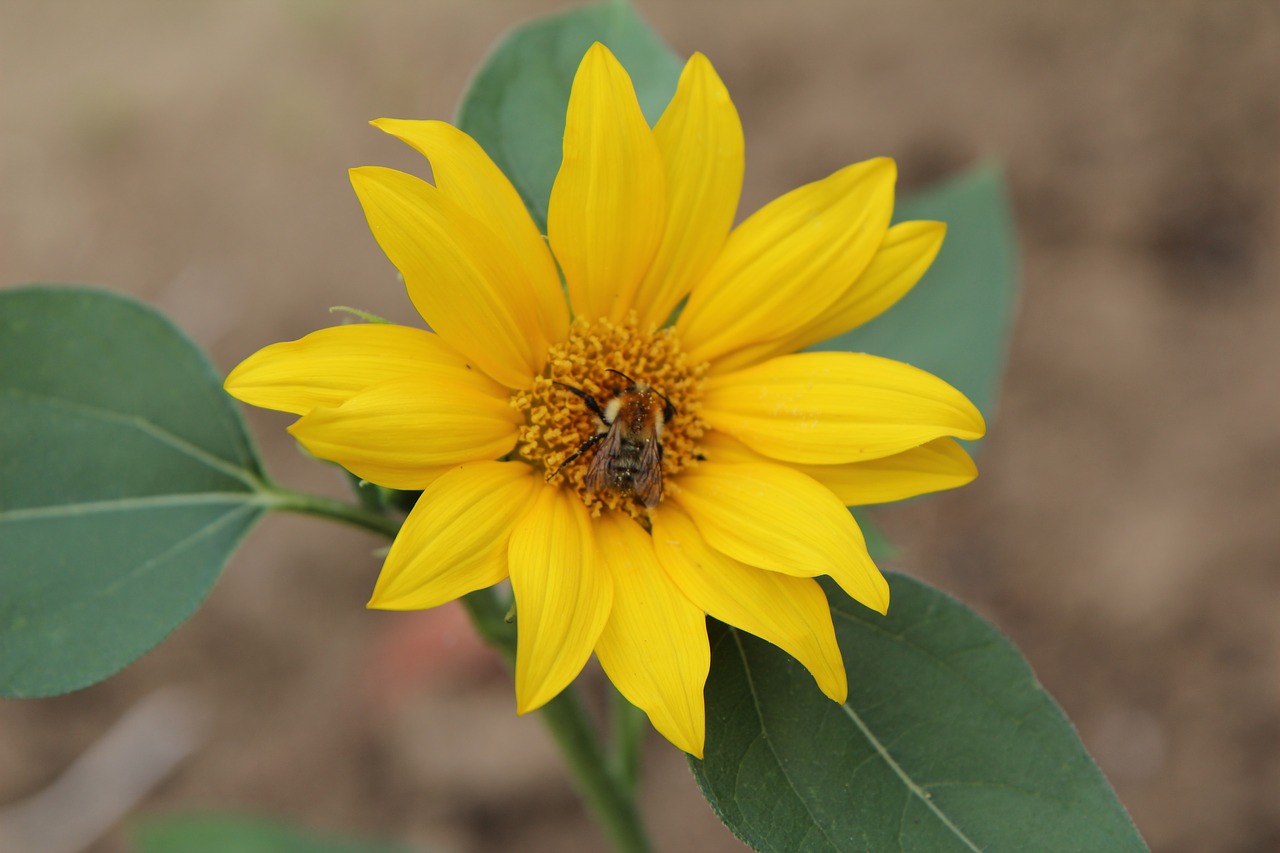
column 629, row 727
column 609, row 796
column 609, row 789
column 291, row 501
column 609, row 793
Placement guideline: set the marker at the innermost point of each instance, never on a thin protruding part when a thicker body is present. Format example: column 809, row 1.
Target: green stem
column 629, row 727
column 609, row 791
column 608, row 794
column 369, row 495
column 291, row 501
column 609, row 797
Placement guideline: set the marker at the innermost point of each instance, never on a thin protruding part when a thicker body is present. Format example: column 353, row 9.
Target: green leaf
column 956, row 322
column 516, row 103
column 126, row 481
column 223, row 833
column 878, row 545
column 946, row 743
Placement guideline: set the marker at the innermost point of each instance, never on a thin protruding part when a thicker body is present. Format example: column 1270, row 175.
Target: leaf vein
column 755, row 700
column 169, row 501
column 906, row 779
column 146, row 427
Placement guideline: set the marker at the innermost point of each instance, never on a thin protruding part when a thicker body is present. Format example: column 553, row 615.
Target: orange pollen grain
column 557, row 422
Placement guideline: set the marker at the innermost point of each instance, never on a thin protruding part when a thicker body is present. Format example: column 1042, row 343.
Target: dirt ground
column 1125, row 527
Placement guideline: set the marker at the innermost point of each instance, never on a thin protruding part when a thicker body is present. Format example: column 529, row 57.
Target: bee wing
column 648, row 480
column 597, row 479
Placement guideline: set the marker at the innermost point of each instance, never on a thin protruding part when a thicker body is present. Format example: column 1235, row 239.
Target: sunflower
column 501, row 412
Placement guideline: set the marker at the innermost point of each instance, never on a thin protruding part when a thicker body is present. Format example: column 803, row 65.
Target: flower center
column 630, row 376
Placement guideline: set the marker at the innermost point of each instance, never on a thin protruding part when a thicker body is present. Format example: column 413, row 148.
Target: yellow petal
column 790, row 261
column 462, row 279
column 563, row 594
column 400, row 432
column 455, row 539
column 790, row 612
column 654, row 646
column 940, row 464
column 605, row 216
column 700, row 138
column 904, row 256
column 328, row 367
column 464, row 173
column 828, row 408
column 775, row 518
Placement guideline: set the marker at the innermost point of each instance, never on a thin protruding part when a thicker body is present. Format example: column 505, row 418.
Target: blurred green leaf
column 878, row 545
column 516, row 103
column 126, row 481
column 239, row 834
column 956, row 322
column 946, row 743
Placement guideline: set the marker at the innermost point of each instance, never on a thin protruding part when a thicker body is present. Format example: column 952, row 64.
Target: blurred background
column 1125, row 530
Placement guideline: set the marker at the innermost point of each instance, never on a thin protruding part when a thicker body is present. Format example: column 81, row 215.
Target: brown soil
column 1124, row 530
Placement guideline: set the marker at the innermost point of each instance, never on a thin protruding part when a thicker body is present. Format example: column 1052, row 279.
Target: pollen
column 557, row 422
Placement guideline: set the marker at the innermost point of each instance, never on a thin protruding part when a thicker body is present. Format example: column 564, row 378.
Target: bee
column 629, row 459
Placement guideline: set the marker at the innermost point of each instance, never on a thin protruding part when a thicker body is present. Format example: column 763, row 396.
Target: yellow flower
column 762, row 449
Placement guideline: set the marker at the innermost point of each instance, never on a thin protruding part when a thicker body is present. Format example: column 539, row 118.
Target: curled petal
column 607, row 207
column 904, row 256
column 328, row 367
column 563, row 595
column 462, row 278
column 775, row 518
column 654, row 646
column 789, row 262
column 827, row 408
column 932, row 467
column 700, row 138
column 940, row 464
column 400, row 433
column 464, row 173
column 790, row 612
column 455, row 539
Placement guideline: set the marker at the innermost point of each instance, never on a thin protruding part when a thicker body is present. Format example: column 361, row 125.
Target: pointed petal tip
column 380, row 599
column 977, row 422
column 699, row 62
column 881, row 602
column 596, row 55
column 690, row 737
column 877, row 597
column 879, row 172
column 931, row 231
column 529, row 704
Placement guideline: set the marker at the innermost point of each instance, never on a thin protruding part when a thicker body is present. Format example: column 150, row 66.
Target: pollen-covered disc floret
column 558, row 422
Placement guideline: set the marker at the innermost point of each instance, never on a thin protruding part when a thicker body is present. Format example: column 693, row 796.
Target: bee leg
column 588, row 399
column 582, row 448
column 668, row 411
